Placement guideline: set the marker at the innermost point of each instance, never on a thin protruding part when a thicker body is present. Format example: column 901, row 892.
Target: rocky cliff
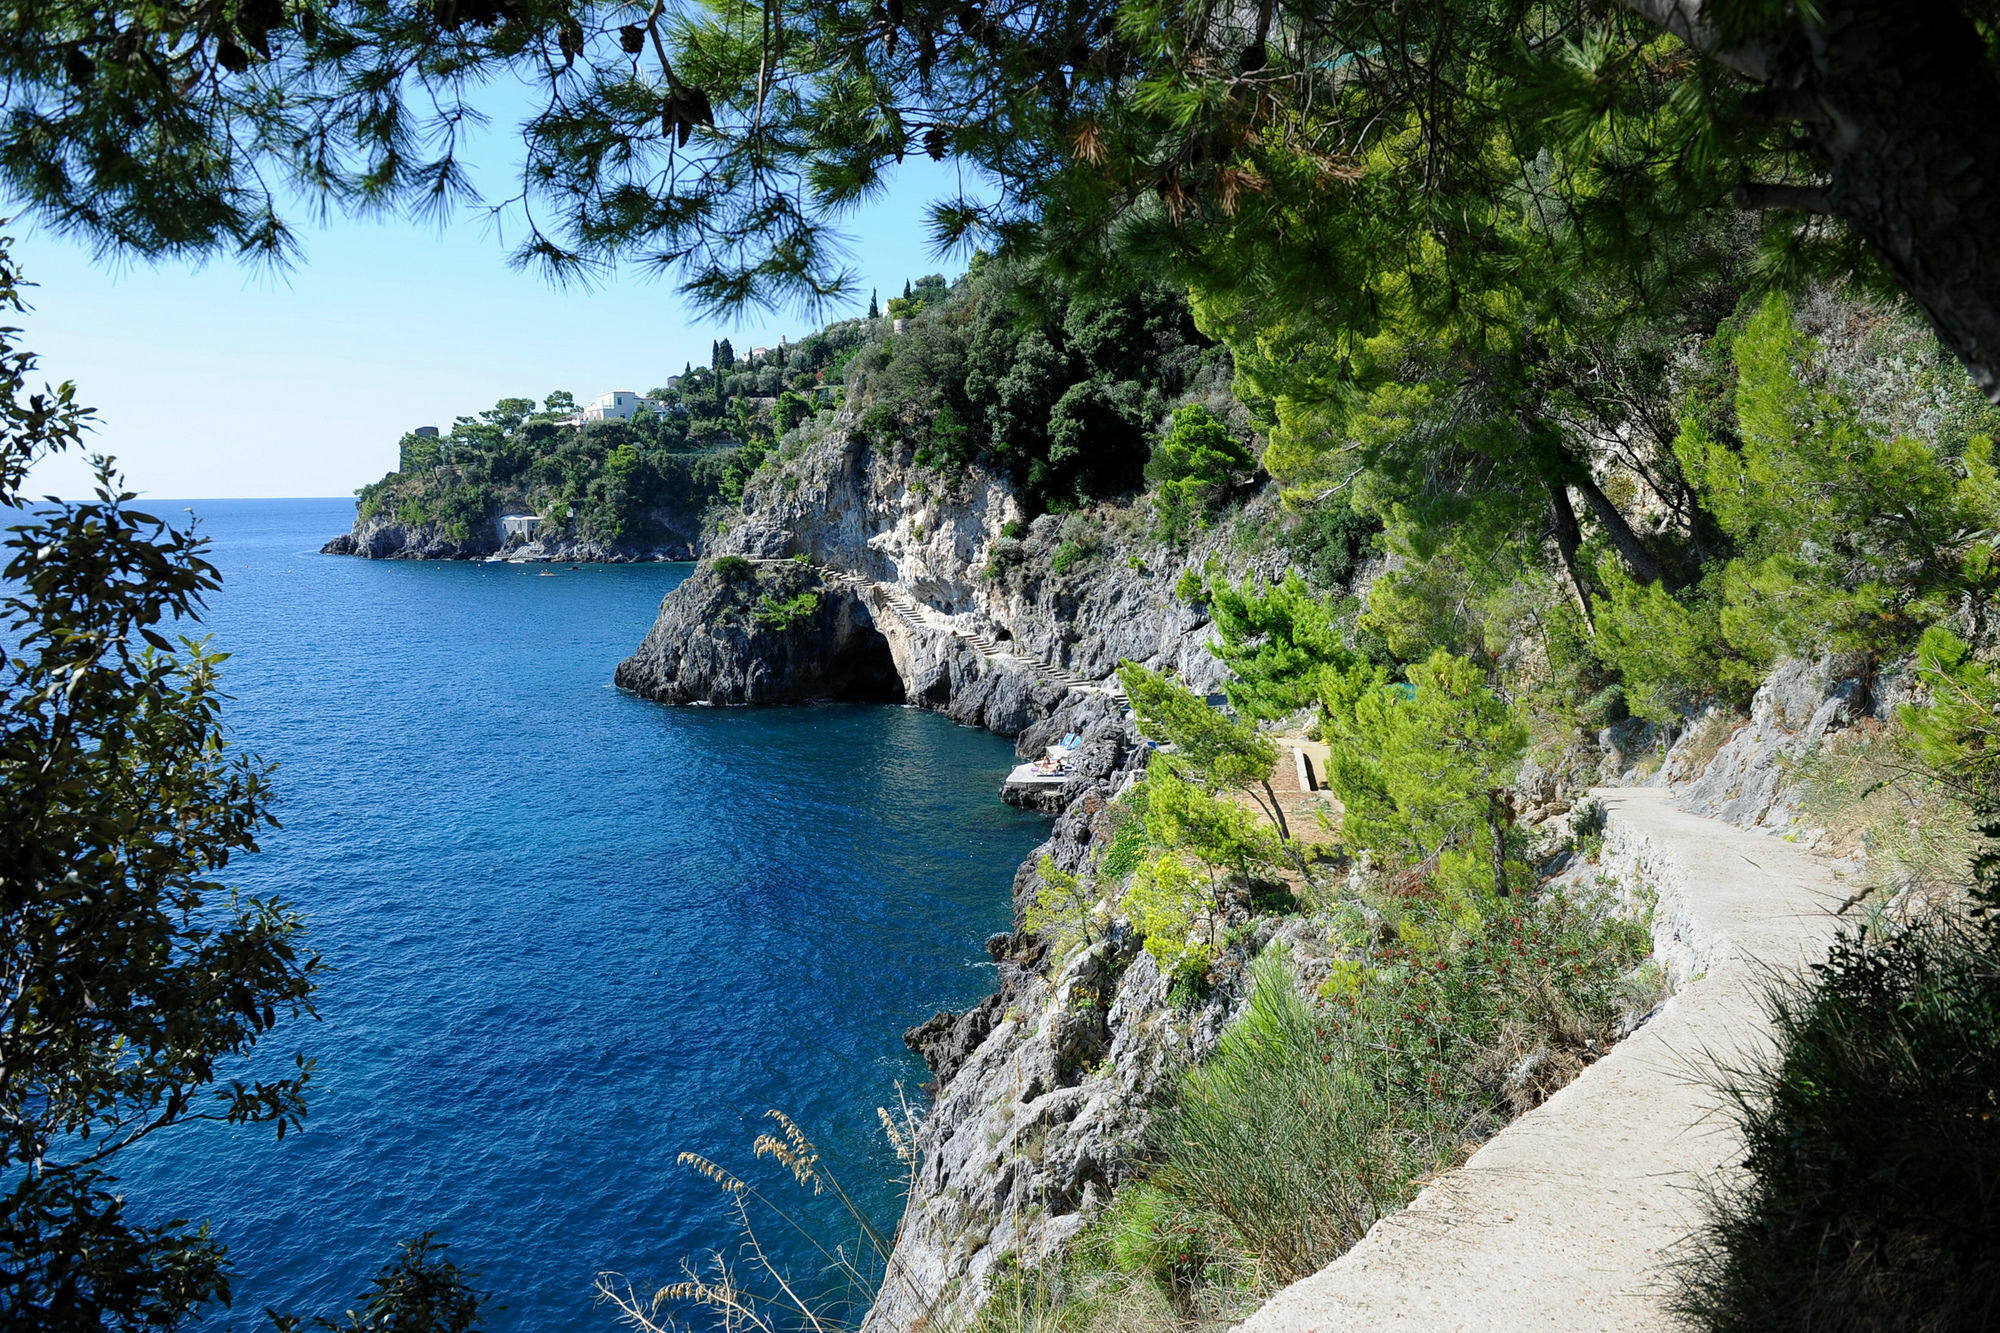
column 936, row 590
column 768, row 632
column 383, row 537
column 1043, row 1090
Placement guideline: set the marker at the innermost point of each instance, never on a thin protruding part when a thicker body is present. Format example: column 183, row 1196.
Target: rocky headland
column 384, row 537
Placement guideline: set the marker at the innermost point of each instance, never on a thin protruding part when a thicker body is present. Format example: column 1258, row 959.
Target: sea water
column 573, row 934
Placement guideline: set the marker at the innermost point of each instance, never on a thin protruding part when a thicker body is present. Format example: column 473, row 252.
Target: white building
column 618, row 405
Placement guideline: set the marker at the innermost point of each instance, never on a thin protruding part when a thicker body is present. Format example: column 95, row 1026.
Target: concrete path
column 1561, row 1221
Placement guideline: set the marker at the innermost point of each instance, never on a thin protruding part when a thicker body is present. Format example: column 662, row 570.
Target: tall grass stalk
column 756, row 1293
column 1290, row 1134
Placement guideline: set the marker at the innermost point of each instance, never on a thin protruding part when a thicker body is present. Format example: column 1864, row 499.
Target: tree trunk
column 1904, row 111
column 1569, row 539
column 1278, row 813
column 1499, row 814
column 1623, row 538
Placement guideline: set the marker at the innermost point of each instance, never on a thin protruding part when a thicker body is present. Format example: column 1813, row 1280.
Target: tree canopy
column 1359, row 162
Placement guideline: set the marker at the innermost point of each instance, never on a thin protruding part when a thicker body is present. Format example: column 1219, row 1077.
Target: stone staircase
column 925, row 619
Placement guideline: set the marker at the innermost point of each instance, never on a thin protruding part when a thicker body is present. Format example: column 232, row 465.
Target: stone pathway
column 1561, row 1221
column 928, row 620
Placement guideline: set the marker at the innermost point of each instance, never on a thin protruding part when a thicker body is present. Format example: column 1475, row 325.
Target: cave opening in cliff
column 864, row 670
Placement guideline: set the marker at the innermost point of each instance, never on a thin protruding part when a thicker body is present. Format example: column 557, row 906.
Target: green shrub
column 1167, row 899
column 786, row 614
column 1153, row 1234
column 1472, row 1012
column 1284, row 1075
column 1127, row 847
column 1669, row 647
column 1849, row 536
column 730, row 568
column 1082, row 1292
column 1067, row 556
column 1194, row 468
column 1418, row 766
column 1003, row 555
column 1277, row 640
column 1329, row 542
column 1867, row 1197
column 1064, row 909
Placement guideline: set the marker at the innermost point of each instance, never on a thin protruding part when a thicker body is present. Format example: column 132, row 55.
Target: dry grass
column 755, row 1293
column 1873, row 799
column 1699, row 748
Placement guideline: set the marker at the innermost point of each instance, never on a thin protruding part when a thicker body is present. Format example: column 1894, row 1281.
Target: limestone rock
column 382, row 537
column 721, row 640
column 1796, row 708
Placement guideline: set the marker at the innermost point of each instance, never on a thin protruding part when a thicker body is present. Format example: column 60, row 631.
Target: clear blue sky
column 218, row 382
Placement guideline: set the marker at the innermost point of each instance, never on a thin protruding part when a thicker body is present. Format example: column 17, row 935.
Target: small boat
column 548, row 573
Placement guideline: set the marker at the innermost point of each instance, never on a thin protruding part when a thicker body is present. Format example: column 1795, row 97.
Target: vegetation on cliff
column 1067, row 391
column 1482, row 283
column 1067, row 394
column 635, row 482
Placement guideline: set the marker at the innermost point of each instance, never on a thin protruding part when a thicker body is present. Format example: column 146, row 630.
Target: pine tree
column 874, row 309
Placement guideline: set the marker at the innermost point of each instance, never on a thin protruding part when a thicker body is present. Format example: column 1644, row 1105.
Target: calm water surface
column 574, row 933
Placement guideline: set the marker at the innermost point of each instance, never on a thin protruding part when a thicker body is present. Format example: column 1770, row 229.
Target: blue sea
column 573, row 934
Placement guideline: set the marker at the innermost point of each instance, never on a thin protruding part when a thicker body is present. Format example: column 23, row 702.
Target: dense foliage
column 632, row 483
column 1004, row 367
column 1436, row 1035
column 134, row 981
column 619, row 482
column 1065, row 391
column 1441, row 161
column 1867, row 1198
column 1841, row 526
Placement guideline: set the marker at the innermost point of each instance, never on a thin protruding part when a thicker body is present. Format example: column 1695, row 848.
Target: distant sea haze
column 574, row 934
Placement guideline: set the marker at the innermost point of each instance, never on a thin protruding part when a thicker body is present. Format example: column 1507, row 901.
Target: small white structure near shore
column 519, row 525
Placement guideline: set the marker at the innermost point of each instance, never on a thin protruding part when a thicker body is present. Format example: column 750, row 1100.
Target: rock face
column 931, row 562
column 1746, row 779
column 772, row 632
column 382, row 537
column 1042, row 1092
column 1046, row 1089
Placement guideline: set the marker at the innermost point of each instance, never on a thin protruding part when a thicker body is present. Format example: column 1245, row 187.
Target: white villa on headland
column 522, row 525
column 618, row 405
